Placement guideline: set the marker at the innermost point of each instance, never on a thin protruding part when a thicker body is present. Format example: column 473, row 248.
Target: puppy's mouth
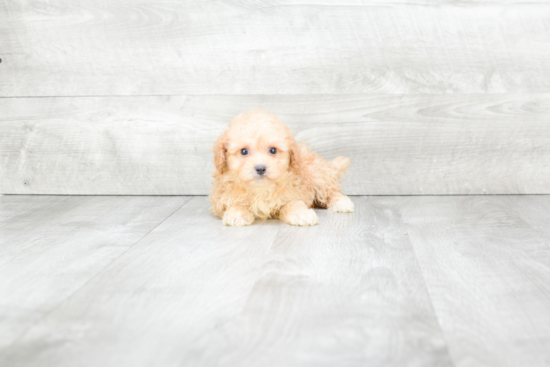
column 261, row 176
column 260, row 180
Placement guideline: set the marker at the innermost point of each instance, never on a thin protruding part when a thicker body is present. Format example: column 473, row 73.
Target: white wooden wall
column 127, row 97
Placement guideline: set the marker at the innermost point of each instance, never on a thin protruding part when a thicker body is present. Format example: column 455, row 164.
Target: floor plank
column 488, row 274
column 51, row 246
column 13, row 207
column 403, row 281
column 184, row 280
column 193, row 292
column 533, row 209
column 347, row 292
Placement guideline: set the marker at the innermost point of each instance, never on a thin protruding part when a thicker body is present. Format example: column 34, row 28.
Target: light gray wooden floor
column 157, row 281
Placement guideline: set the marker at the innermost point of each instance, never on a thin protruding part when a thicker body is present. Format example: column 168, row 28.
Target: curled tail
column 339, row 164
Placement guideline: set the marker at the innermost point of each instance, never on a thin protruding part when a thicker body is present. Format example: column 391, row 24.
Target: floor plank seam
column 49, row 205
column 449, row 354
column 39, row 203
column 268, row 259
column 451, row 357
column 53, row 309
column 535, row 228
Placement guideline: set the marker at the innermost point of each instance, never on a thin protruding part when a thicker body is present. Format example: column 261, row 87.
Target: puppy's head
column 257, row 148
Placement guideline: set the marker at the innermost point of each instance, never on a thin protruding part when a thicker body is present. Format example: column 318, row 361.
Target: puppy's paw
column 237, row 217
column 306, row 217
column 342, row 204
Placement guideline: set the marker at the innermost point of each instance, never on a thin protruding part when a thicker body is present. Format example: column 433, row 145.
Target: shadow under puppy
column 262, row 172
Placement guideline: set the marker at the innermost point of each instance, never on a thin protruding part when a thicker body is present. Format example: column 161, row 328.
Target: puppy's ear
column 295, row 156
column 219, row 154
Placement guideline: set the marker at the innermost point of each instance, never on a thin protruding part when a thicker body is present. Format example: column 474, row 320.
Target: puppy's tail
column 339, row 164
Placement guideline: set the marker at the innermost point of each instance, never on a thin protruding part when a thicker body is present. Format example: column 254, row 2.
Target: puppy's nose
column 260, row 168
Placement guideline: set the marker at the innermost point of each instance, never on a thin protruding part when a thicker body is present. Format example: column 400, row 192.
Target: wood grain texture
column 533, row 210
column 184, row 279
column 487, row 271
column 52, row 246
column 193, row 292
column 399, row 145
column 128, row 47
column 12, row 206
column 346, row 292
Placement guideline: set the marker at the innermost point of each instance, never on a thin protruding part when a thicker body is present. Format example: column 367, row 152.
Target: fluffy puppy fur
column 262, row 172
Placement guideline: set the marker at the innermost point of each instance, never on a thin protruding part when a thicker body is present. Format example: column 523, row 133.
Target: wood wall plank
column 128, row 47
column 53, row 245
column 399, row 145
column 488, row 274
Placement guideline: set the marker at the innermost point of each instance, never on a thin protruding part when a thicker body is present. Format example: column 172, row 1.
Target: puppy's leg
column 340, row 203
column 296, row 213
column 238, row 216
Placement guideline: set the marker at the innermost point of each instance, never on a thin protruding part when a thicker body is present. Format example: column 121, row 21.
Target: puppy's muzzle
column 260, row 169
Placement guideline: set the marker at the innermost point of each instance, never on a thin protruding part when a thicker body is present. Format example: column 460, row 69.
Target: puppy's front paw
column 237, row 217
column 343, row 204
column 306, row 217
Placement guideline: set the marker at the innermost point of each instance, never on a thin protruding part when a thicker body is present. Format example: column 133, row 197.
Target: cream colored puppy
column 262, row 172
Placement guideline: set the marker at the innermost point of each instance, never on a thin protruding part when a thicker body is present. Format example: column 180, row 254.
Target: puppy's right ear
column 219, row 154
column 295, row 156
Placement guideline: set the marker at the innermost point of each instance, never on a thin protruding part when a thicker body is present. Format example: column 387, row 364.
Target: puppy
column 262, row 172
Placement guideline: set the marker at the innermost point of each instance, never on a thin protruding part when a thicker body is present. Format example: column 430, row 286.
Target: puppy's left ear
column 219, row 154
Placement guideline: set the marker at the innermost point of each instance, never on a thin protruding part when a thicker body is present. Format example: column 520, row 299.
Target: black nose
column 260, row 168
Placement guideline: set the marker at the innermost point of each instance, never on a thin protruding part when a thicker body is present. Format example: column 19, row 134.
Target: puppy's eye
column 273, row 150
column 244, row 151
